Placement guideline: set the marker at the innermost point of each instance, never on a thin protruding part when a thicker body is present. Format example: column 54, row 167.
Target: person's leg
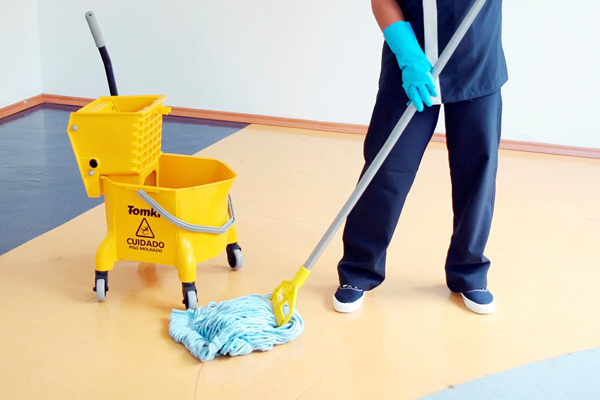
column 473, row 136
column 371, row 224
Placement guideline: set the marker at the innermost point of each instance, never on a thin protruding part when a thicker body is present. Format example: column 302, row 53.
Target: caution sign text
column 142, row 242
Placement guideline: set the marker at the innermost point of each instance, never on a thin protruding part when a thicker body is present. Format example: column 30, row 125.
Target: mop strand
column 232, row 327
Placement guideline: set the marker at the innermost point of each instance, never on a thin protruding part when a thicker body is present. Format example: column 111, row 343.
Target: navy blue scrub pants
column 473, row 136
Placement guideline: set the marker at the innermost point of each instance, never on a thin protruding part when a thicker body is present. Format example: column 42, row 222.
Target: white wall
column 553, row 60
column 305, row 59
column 311, row 59
column 20, row 71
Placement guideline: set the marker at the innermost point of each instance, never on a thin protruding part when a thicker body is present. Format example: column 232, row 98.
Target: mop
column 255, row 322
column 232, row 327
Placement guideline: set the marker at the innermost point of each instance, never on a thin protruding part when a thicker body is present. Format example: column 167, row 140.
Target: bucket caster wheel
column 190, row 296
column 234, row 256
column 101, row 285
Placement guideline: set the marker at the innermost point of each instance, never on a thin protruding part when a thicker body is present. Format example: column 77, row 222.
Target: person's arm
column 417, row 80
column 386, row 12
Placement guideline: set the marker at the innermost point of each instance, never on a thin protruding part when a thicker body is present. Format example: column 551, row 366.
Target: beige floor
column 412, row 337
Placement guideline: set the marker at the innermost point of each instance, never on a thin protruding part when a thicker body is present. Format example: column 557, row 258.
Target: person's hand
column 417, row 80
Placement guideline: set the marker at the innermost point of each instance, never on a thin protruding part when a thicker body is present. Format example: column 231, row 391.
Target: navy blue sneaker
column 348, row 298
column 480, row 301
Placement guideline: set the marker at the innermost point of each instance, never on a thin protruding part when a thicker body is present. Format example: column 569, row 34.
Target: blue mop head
column 232, row 327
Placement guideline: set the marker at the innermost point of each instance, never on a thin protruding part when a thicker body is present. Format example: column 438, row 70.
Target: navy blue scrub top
column 477, row 67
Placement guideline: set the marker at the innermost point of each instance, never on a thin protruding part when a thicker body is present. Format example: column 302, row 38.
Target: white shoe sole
column 480, row 308
column 347, row 307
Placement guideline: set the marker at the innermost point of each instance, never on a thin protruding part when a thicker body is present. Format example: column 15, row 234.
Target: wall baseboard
column 66, row 100
column 21, row 106
column 268, row 120
column 505, row 144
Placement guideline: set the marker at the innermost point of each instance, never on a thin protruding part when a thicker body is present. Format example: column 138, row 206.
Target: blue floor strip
column 574, row 376
column 40, row 185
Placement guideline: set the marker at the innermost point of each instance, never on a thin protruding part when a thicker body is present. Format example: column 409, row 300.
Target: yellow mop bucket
column 160, row 208
column 187, row 218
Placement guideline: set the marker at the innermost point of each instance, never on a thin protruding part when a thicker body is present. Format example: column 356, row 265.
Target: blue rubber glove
column 417, row 80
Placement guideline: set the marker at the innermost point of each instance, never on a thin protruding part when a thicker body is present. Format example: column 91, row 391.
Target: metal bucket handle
column 185, row 225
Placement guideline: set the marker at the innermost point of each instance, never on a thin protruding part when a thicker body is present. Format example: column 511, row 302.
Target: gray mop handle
column 392, row 139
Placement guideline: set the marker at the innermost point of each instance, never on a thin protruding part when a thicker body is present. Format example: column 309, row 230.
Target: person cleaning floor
column 469, row 87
